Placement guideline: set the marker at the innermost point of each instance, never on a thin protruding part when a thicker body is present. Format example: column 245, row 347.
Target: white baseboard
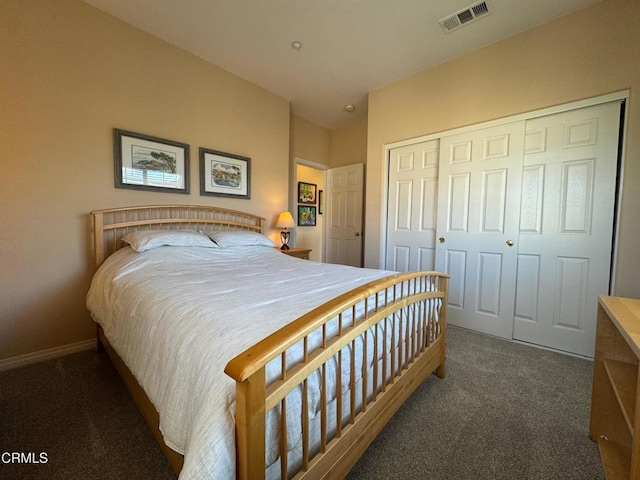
column 50, row 353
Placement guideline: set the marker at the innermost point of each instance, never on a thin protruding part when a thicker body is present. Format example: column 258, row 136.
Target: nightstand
column 296, row 252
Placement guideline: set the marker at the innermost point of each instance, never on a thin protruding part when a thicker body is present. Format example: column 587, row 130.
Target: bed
column 247, row 363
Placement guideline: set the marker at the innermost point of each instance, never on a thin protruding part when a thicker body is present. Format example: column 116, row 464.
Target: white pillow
column 236, row 238
column 147, row 239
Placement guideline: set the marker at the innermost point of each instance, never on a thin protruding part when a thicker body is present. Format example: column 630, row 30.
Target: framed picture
column 143, row 162
column 307, row 193
column 306, row 216
column 224, row 174
column 320, row 202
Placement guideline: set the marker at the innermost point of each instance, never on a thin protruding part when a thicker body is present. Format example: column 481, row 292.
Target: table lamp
column 285, row 221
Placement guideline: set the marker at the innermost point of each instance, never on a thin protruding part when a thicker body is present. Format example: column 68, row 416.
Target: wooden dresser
column 615, row 400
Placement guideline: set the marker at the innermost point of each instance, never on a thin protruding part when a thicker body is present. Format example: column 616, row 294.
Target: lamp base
column 284, row 237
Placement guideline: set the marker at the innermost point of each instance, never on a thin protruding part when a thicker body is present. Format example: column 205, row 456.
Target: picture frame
column 145, row 162
column 307, row 193
column 320, row 202
column 224, row 174
column 306, row 216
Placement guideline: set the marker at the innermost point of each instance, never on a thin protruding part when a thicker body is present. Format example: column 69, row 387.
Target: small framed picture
column 320, row 202
column 224, row 174
column 307, row 193
column 306, row 216
column 143, row 162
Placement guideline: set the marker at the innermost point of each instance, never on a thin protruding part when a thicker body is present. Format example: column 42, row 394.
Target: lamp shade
column 285, row 220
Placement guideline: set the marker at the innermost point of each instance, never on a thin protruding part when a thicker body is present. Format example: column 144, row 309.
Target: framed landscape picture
column 306, row 216
column 143, row 162
column 224, row 174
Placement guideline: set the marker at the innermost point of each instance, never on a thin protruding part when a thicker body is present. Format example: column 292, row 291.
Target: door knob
column 509, row 243
column 441, row 239
column 357, row 234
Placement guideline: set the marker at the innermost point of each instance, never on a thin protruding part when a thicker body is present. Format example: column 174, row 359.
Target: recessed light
column 296, row 45
column 349, row 108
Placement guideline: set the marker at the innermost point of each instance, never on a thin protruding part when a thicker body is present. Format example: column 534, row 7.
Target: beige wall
column 310, row 141
column 582, row 55
column 332, row 148
column 69, row 75
column 349, row 145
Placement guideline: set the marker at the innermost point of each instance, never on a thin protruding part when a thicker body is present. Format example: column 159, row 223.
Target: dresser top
column 625, row 313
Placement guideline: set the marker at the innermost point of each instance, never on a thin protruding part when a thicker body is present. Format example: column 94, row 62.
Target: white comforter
column 222, row 301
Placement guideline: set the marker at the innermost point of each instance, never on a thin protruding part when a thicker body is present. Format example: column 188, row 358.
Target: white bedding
column 223, row 301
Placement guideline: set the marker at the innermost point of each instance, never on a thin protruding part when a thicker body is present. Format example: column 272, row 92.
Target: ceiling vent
column 465, row 16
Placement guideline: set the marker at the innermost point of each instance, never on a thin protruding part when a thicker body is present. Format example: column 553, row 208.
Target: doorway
column 309, row 234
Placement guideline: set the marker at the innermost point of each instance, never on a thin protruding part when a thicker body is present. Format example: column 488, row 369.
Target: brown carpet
column 505, row 411
column 77, row 411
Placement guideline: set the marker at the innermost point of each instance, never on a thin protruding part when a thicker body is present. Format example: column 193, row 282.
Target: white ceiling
column 349, row 47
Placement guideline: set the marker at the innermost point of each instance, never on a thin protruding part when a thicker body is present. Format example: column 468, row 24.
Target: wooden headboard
column 109, row 226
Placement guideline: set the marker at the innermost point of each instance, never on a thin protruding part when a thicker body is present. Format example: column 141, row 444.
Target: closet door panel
column 456, row 265
column 411, row 213
column 567, row 216
column 527, row 284
column 570, row 304
column 494, row 197
column 458, row 211
column 478, row 211
column 531, row 202
column 488, row 284
column 577, row 191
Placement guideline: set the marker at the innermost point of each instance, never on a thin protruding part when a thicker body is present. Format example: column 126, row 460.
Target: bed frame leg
column 250, row 427
column 443, row 283
column 441, row 371
column 99, row 346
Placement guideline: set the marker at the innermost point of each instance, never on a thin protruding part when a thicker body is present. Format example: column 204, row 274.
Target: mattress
column 177, row 315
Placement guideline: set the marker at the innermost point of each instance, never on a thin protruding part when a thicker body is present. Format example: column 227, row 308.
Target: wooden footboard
column 400, row 326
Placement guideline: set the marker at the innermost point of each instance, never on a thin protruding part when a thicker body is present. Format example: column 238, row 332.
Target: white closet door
column 478, row 209
column 566, row 226
column 412, row 202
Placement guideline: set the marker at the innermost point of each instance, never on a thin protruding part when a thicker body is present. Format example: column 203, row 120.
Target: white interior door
column 566, row 226
column 344, row 211
column 412, row 205
column 478, row 208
